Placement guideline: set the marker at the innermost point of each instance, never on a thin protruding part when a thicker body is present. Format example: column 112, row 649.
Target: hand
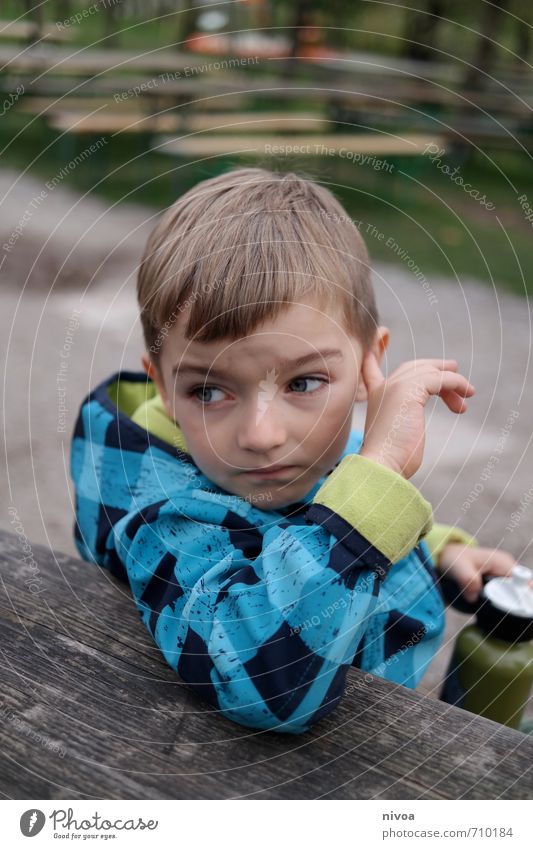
column 395, row 423
column 466, row 564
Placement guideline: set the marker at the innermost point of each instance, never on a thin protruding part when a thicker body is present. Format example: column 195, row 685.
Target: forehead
column 299, row 330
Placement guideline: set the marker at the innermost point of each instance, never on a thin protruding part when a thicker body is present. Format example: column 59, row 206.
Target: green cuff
column 385, row 508
column 441, row 535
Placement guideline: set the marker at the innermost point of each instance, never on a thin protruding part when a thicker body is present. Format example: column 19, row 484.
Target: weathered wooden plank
column 379, row 144
column 27, row 29
column 119, row 120
column 90, row 709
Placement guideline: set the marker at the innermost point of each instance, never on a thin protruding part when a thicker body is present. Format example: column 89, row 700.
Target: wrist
column 382, row 459
column 441, row 536
column 383, row 507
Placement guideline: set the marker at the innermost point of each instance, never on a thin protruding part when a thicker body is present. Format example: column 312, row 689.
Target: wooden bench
column 97, row 60
column 127, row 120
column 23, row 30
column 106, row 121
column 246, row 122
column 90, row 708
column 455, row 127
column 412, row 106
column 377, row 144
column 83, row 105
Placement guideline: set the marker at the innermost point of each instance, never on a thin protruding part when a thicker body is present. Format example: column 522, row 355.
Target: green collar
column 143, row 404
column 153, row 416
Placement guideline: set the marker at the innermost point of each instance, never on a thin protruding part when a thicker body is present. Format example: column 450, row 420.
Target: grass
column 446, row 231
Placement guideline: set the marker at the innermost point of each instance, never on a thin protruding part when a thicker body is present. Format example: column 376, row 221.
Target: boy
column 267, row 545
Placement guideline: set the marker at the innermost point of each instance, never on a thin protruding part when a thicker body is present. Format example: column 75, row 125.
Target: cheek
column 334, row 417
column 210, row 449
column 333, row 432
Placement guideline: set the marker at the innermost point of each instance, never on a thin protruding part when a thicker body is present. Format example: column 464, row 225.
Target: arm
column 268, row 639
column 395, row 436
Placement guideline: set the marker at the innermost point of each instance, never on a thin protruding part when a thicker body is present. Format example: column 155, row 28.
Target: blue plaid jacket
column 260, row 612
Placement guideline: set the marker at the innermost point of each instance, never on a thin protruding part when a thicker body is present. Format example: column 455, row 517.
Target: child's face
column 257, row 411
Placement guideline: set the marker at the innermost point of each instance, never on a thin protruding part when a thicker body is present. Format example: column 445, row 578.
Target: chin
column 270, row 502
column 270, row 506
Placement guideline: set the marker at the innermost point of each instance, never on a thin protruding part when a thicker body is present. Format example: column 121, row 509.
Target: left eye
column 301, row 380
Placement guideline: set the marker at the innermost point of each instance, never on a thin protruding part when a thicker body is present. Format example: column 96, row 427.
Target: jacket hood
column 125, row 411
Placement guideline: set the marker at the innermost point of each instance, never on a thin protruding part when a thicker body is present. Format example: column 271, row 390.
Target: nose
column 261, row 430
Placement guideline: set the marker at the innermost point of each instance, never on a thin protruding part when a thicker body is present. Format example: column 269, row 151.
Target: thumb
column 472, row 585
column 371, row 372
column 473, row 589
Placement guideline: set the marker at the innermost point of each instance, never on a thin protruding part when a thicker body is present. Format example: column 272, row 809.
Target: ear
column 148, row 366
column 154, row 374
column 379, row 346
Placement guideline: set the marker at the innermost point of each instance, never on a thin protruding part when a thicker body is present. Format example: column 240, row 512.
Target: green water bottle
column 491, row 669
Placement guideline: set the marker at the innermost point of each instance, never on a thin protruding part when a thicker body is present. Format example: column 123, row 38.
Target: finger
column 371, row 372
column 473, row 588
column 450, row 365
column 494, row 561
column 455, row 402
column 422, row 364
column 452, row 387
column 417, row 367
column 429, row 373
column 439, row 382
column 469, row 580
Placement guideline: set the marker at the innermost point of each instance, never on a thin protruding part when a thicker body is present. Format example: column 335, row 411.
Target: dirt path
column 68, row 286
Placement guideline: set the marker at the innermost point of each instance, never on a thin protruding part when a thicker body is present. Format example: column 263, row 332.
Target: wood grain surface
column 89, row 709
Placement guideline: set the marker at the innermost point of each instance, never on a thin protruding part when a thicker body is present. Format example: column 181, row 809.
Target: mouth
column 273, row 472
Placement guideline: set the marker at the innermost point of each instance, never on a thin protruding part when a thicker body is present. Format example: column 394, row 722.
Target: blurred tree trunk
column 485, row 53
column 522, row 32
column 302, row 12
column 301, row 17
column 523, row 42
column 421, row 30
column 112, row 14
column 34, row 16
column 63, row 10
column 186, row 21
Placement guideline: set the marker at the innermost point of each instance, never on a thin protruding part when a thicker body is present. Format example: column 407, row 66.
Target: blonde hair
column 239, row 248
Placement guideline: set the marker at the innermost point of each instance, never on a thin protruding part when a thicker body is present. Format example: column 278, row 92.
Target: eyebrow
column 327, row 354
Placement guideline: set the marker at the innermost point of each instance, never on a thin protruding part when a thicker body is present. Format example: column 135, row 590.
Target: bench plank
column 407, row 144
column 136, row 122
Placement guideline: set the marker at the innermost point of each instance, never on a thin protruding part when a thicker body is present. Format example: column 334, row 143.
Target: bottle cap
column 512, row 594
column 507, row 609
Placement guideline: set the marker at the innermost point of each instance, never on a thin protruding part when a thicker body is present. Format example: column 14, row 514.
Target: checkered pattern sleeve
column 264, row 622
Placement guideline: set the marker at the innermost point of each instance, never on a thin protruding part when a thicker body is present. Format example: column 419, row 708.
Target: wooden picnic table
column 90, row 709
